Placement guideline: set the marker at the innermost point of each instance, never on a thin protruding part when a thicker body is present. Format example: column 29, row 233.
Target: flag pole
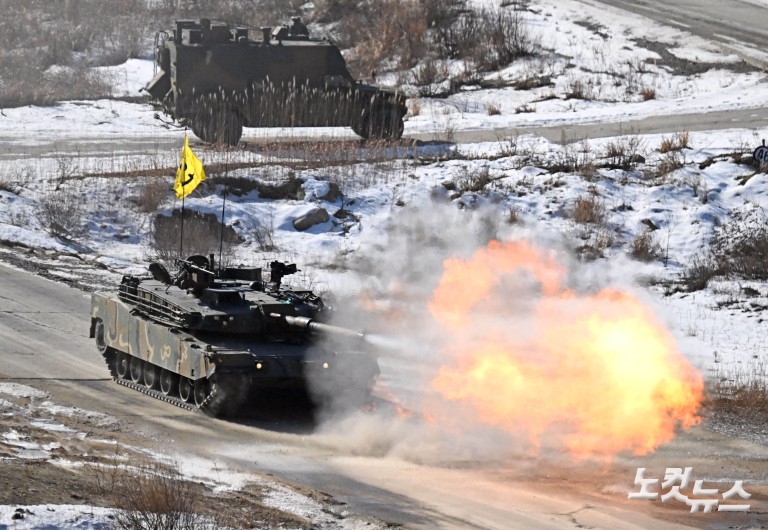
column 181, row 232
column 181, row 238
column 223, row 205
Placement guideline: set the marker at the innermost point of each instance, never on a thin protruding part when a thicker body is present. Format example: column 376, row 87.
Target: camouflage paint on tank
column 166, row 347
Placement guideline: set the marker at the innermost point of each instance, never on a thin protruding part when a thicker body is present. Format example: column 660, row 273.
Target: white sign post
column 761, row 155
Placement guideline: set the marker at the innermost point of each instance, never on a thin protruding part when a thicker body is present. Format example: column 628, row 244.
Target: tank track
column 154, row 393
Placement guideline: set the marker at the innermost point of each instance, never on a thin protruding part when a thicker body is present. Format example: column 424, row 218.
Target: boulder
column 310, row 219
column 333, row 193
column 290, row 188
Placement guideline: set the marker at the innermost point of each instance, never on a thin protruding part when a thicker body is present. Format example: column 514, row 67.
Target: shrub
column 648, row 93
column 504, row 37
column 473, row 180
column 24, row 82
column 522, row 109
column 624, row 152
column 152, row 194
column 15, row 179
column 671, row 161
column 513, row 216
column 384, row 30
column 151, row 496
column 646, row 248
column 62, row 210
column 588, row 209
column 676, row 142
column 740, row 247
column 576, row 90
column 742, row 390
column 202, row 235
column 597, row 241
column 432, row 78
column 414, row 106
column 700, row 270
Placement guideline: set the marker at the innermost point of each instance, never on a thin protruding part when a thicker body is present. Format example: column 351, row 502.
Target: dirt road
column 44, row 344
column 739, row 25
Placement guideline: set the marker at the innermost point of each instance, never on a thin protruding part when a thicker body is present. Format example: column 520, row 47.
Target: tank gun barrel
column 308, row 323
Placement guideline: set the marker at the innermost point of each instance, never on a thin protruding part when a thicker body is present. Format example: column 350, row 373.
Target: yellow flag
column 190, row 172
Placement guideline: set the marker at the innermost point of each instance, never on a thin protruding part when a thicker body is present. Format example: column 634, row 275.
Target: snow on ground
column 591, row 60
column 52, row 516
column 34, row 442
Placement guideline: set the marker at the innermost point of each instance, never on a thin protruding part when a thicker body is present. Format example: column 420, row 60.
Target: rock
column 650, row 224
column 333, row 193
column 310, row 219
column 291, row 188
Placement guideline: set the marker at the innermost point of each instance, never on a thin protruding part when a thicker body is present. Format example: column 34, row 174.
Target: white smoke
column 399, row 266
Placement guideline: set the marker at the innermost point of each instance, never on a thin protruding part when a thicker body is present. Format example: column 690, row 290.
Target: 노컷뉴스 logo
column 677, row 480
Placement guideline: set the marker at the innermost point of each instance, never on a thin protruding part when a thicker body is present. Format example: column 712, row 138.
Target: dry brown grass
column 588, row 209
column 577, row 90
column 414, row 106
column 513, row 216
column 62, row 209
column 202, row 235
column 677, row 142
column 738, row 249
column 152, row 194
column 671, row 161
column 648, row 93
column 473, row 180
column 380, row 30
column 742, row 389
column 151, row 496
column 646, row 248
column 624, row 152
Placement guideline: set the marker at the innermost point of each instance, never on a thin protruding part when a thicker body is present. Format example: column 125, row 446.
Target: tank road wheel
column 185, row 389
column 201, row 391
column 151, row 375
column 381, row 126
column 169, row 383
column 361, row 127
column 387, row 126
column 137, row 370
column 98, row 332
column 397, row 131
column 122, row 365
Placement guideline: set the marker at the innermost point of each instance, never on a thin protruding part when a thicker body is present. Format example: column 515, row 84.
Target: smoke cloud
column 493, row 341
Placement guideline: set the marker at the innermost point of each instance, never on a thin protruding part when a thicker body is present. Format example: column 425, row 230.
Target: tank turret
column 216, row 79
column 212, row 338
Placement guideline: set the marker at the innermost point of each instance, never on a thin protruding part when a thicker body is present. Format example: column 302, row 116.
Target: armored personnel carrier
column 215, row 79
column 215, row 339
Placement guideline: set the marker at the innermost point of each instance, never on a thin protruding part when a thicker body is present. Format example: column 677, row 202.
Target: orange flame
column 599, row 374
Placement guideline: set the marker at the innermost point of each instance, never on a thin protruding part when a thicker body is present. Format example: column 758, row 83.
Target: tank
column 219, row 340
column 215, row 78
